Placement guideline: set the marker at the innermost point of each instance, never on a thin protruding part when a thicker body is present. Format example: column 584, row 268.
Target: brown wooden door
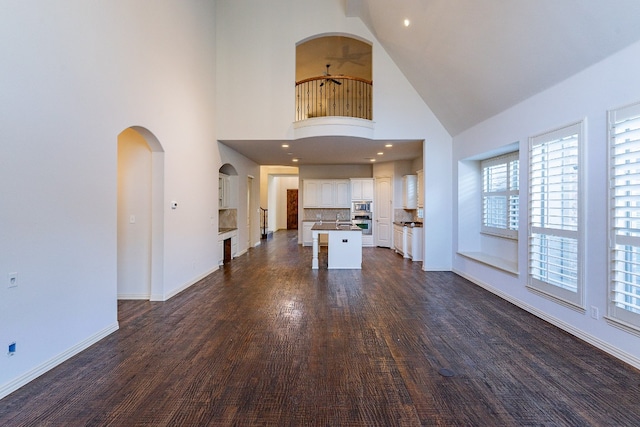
column 292, row 209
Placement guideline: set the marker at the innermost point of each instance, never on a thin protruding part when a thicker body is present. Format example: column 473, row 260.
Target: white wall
column 256, row 60
column 587, row 95
column 75, row 74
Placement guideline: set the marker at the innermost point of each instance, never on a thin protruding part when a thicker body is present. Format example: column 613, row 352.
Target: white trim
column 34, row 373
column 133, row 296
column 595, row 341
column 176, row 291
column 560, row 294
column 492, row 261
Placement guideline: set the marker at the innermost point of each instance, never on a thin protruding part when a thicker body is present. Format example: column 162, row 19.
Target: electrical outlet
column 595, row 312
column 12, row 280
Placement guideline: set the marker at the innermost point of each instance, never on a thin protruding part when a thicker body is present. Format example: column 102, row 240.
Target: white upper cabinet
column 420, row 189
column 326, row 193
column 409, row 192
column 341, row 190
column 362, row 189
column 224, row 191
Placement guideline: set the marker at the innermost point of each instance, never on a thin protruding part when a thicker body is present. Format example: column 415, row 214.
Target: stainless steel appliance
column 361, row 206
column 362, row 215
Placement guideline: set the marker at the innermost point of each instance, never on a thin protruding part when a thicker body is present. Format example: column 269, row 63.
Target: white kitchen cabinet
column 307, row 238
column 420, row 189
column 326, row 193
column 311, row 193
column 341, row 194
column 361, row 189
column 414, row 243
column 409, row 192
column 398, row 238
column 224, row 191
column 233, row 235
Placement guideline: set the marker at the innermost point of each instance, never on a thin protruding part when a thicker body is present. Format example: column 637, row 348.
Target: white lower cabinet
column 307, row 238
column 233, row 235
column 407, row 241
column 414, row 243
column 398, row 238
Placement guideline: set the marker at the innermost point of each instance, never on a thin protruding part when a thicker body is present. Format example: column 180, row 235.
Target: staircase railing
column 264, row 223
column 334, row 96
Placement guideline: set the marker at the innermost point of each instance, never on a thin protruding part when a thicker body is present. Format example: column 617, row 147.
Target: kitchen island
column 345, row 245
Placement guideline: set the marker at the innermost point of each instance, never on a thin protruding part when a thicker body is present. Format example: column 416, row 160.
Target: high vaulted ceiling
column 472, row 59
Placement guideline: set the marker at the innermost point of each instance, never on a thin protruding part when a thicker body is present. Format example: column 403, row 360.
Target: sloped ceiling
column 472, row 59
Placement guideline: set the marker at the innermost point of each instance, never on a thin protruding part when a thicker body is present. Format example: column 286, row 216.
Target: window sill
column 493, row 261
column 620, row 324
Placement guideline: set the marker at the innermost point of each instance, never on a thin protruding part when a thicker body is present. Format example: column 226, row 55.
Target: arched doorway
column 140, row 213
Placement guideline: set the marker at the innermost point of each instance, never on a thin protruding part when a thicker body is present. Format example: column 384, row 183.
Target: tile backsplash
column 228, row 218
column 326, row 214
column 406, row 215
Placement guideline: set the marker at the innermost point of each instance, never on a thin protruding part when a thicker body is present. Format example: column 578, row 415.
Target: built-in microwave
column 361, row 206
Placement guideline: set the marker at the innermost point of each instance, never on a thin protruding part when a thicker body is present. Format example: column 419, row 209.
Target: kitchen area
column 340, row 214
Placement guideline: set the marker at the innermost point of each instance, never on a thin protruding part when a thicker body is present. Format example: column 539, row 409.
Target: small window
column 555, row 215
column 624, row 214
column 500, row 195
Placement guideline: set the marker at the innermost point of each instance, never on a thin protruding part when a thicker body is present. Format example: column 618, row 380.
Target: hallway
column 268, row 341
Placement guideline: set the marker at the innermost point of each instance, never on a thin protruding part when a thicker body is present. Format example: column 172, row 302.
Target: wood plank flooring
column 267, row 341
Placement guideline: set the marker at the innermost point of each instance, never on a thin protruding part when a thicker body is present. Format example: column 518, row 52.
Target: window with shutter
column 624, row 190
column 554, row 215
column 500, row 194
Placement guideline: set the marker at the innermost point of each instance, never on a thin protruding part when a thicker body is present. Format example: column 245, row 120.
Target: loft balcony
column 333, row 96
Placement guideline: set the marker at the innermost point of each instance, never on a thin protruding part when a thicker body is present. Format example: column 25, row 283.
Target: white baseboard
column 176, row 291
column 595, row 341
column 15, row 384
column 134, row 296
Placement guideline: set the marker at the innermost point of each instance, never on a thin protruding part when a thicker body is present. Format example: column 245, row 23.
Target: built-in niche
column 227, row 197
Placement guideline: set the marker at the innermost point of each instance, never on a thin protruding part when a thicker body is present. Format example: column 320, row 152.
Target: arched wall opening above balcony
column 333, row 77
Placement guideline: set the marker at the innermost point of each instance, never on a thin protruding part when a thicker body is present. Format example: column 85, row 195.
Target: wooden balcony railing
column 333, row 96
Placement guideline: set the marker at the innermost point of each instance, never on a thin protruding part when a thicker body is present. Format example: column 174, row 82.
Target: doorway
column 382, row 214
column 292, row 209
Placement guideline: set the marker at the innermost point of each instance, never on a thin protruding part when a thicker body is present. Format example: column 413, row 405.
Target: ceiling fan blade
column 336, row 82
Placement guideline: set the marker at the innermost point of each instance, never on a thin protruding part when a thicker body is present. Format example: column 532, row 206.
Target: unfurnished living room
column 320, row 212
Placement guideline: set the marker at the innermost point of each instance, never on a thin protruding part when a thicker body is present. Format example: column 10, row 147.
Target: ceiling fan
column 328, row 78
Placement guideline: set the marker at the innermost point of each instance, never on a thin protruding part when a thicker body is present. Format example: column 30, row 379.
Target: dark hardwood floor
column 268, row 341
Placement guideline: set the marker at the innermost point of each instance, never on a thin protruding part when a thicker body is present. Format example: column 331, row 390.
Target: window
column 500, row 193
column 624, row 167
column 554, row 215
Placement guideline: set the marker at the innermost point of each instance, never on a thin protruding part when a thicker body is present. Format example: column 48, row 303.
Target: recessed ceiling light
column 372, row 160
column 407, row 22
column 285, row 145
column 388, row 145
column 380, row 153
column 295, row 160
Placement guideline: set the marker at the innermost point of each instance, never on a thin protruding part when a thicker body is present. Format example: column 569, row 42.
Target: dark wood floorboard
column 268, row 341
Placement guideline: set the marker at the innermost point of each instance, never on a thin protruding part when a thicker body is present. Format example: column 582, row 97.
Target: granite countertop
column 328, row 226
column 408, row 223
column 225, row 230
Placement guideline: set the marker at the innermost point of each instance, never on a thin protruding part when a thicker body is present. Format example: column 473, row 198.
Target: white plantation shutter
column 554, row 214
column 624, row 145
column 500, row 193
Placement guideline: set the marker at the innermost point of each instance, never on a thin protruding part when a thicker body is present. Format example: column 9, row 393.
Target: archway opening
column 140, row 215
